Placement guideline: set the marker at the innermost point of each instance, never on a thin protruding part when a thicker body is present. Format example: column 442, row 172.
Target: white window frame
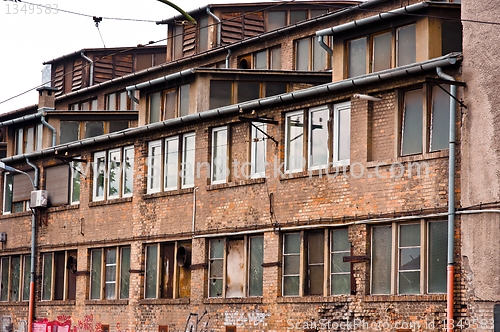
column 187, row 164
column 125, row 158
column 120, row 175
column 175, row 163
column 97, row 171
column 337, row 108
column 154, row 168
column 288, row 168
column 222, row 176
column 112, row 165
column 310, row 137
column 75, row 170
column 258, row 149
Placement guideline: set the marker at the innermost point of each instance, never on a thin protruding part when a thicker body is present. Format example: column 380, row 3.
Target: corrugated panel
column 57, row 184
column 77, row 75
column 123, row 65
column 59, row 80
column 103, row 70
column 189, row 42
column 232, row 28
column 254, row 24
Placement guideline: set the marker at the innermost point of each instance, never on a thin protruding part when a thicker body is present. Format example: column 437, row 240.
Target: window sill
column 164, row 301
column 12, row 304
column 332, row 171
column 15, row 215
column 110, row 201
column 56, row 303
column 240, row 300
column 424, row 156
column 313, row 299
column 406, row 298
column 106, row 302
column 247, row 182
column 63, row 207
column 169, row 193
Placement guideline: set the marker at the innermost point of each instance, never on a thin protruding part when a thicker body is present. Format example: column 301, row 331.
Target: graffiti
column 240, row 319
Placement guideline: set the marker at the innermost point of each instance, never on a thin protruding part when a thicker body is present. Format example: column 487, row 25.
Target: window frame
column 53, row 276
column 217, row 177
column 302, row 272
column 395, row 257
column 181, row 103
column 314, row 50
column 245, row 265
column 258, row 148
column 158, row 174
column 159, row 277
column 22, row 282
column 106, row 170
column 100, row 271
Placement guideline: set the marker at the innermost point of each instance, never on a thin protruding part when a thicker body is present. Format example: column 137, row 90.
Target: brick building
column 286, row 168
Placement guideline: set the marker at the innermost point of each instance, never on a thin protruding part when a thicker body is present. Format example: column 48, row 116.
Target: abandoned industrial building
column 301, row 166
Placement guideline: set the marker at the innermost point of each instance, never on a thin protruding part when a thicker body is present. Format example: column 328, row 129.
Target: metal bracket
column 261, row 120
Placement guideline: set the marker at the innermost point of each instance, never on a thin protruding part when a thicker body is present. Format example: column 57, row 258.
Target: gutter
column 91, row 78
column 359, row 81
column 42, row 112
column 366, row 21
column 451, row 200
column 130, row 89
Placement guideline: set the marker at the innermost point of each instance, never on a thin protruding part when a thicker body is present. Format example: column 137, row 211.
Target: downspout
column 451, row 201
column 322, row 44
column 46, row 124
column 91, row 74
column 227, row 57
column 219, row 26
column 194, row 210
column 31, row 309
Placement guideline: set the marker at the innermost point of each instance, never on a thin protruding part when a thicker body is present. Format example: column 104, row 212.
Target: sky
column 31, row 35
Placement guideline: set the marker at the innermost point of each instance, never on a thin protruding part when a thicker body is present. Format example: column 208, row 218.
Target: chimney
column 46, row 97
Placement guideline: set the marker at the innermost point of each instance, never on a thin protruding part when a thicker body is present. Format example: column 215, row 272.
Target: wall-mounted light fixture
column 366, row 97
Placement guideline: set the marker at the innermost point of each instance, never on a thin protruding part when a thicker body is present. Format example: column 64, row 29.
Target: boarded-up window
column 22, row 187
column 57, row 184
column 235, row 268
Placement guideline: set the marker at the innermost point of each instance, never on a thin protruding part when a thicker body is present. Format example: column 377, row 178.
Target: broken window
column 58, row 276
column 109, row 273
column 167, row 270
column 69, row 131
column 235, row 267
column 14, row 278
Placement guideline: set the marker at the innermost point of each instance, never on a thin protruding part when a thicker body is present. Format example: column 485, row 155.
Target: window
column 76, row 173
column 258, row 150
column 224, row 93
column 70, row 131
column 267, row 59
column 309, row 55
column 109, row 273
column 307, row 250
column 171, row 163
column 113, row 173
column 203, row 34
column 167, row 270
column 57, row 184
column 58, row 275
column 29, row 139
column 15, row 278
column 420, row 251
column 326, row 143
column 177, row 41
column 17, row 194
column 169, row 104
column 220, row 155
column 87, row 105
column 417, row 134
column 279, row 18
column 235, row 267
column 117, row 101
column 385, row 50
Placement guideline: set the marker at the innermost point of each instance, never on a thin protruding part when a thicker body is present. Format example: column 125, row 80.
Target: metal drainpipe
column 46, row 124
column 451, row 201
column 323, row 45
column 31, row 309
column 219, row 28
column 227, row 57
column 91, row 79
